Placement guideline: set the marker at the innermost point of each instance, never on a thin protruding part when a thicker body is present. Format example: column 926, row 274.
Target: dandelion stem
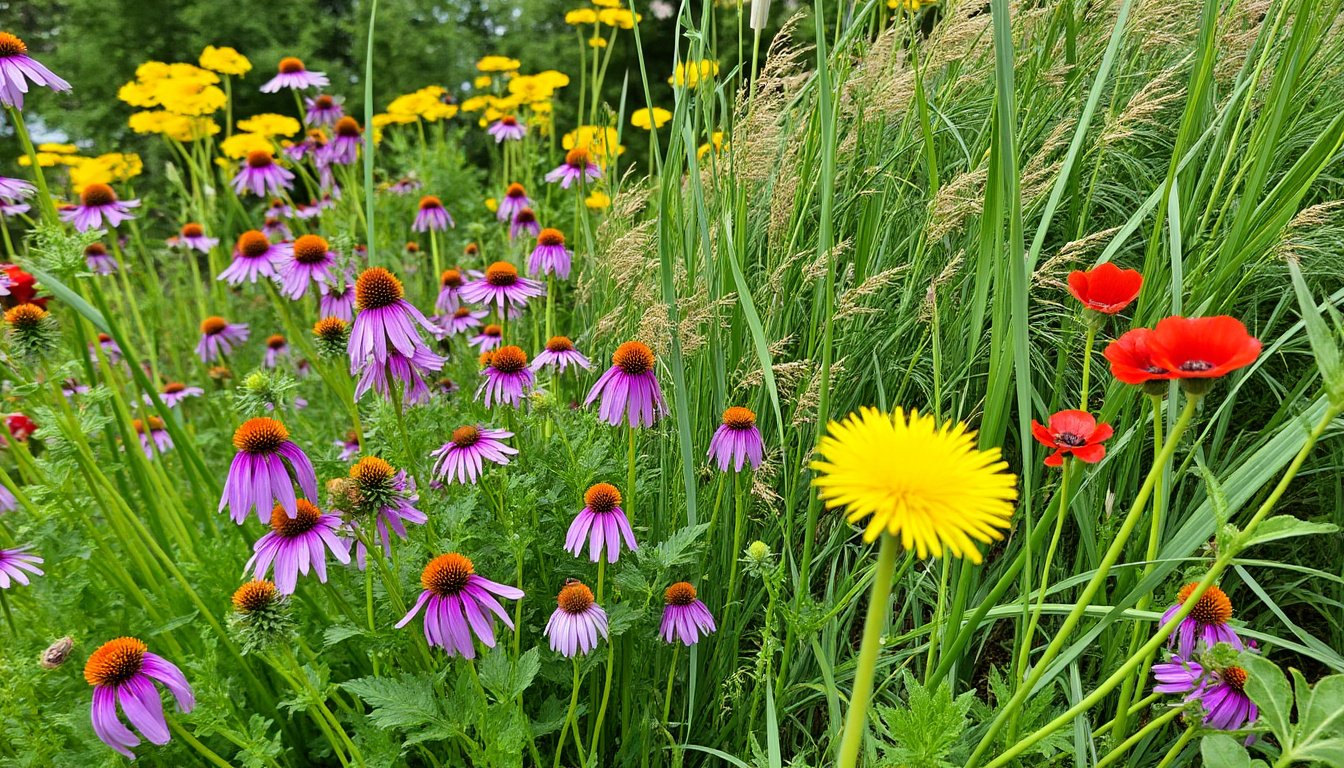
column 856, row 720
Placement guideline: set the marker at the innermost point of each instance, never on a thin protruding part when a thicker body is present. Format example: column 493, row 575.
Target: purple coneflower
column 602, row 523
column 14, row 190
column 685, row 618
column 16, row 564
column 153, row 435
column 261, row 176
column 501, row 286
column 490, row 337
column 461, row 459
column 1221, row 693
column 629, row 389
column 458, row 603
column 445, row 386
column 98, row 203
column 69, row 388
column 408, row 371
column 254, row 256
column 99, row 261
column 1206, row 623
column 344, row 145
column 309, row 259
column 192, row 235
column 338, row 301
column 174, row 392
column 123, row 671
column 218, row 337
column 515, row 199
column 577, row 621
column 432, row 216
column 296, row 544
column 737, row 441
column 404, row 186
column 507, row 377
column 264, row 470
column 550, row 255
column 322, row 110
column 450, row 284
column 275, row 229
column 17, row 68
column 278, row 209
column 392, row 493
column 110, row 349
column 349, row 446
column 463, row 319
column 292, row 74
column 579, row 164
column 507, row 128
column 524, row 222
column 276, row 347
column 8, row 501
column 559, row 354
column 385, row 318
column 13, row 209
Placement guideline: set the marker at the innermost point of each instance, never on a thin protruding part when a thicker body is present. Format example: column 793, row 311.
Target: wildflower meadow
column 533, row 383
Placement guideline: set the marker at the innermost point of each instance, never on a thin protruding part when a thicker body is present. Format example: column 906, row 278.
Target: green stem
column 856, row 720
column 671, row 675
column 1128, row 744
column 1176, row 748
column 1087, row 363
column 569, row 718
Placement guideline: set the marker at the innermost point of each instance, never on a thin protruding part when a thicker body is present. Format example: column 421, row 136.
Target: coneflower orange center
column 738, row 417
column 372, row 472
column 275, row 341
column 11, row 45
column 255, row 595
column 291, row 65
column 192, row 229
column 95, row 249
column 346, row 127
column 515, row 190
column 451, row 278
column 429, row 202
column 461, row 312
column 501, row 274
column 154, row 422
column 550, row 236
column 173, row 387
column 465, row 437
column 377, row 288
column 509, row 120
column 559, row 344
column 259, row 158
column 493, row 331
column 253, row 244
column 213, row 324
column 578, row 157
column 260, row 435
column 509, row 359
column 681, row 593
column 471, row 249
column 1212, row 608
column 25, row 316
column 311, row 249
column 97, row 194
column 575, row 597
column 324, row 102
column 298, row 525
column 525, row 216
column 329, row 328
column 602, row 498
column 115, row 661
column 1235, row 677
column 412, row 247
column 447, row 574
column 634, row 358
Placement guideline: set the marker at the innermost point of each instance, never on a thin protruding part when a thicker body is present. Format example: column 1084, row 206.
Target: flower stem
column 1176, row 748
column 1087, row 363
column 569, row 718
column 1128, row 744
column 1061, row 512
column 671, row 675
column 856, row 720
column 196, row 744
column 596, row 741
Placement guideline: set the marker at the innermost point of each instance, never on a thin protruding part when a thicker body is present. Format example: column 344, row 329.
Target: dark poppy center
column 1069, row 439
column 1196, row 366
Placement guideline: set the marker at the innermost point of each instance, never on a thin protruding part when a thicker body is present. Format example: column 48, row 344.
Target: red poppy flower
column 20, row 426
column 1072, row 433
column 1202, row 347
column 1106, row 289
column 1132, row 360
column 21, row 288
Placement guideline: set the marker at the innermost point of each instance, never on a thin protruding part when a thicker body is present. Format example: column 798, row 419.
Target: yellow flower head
column 188, row 96
column 491, row 204
column 497, row 64
column 268, row 124
column 482, row 82
column 909, row 6
column 58, row 149
column 602, row 141
column 648, row 119
column 716, row 143
column 530, row 88
column 176, row 127
column 618, row 17
column 225, row 60
column 597, row 200
column 477, row 103
column 689, row 74
column 239, row 145
column 384, row 119
column 104, row 169
column 44, row 160
column 138, row 94
column 553, row 78
column 597, row 41
column 912, row 478
column 580, row 16
column 607, row 3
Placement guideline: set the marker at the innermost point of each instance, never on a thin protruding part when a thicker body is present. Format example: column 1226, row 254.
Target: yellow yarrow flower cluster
column 239, row 145
column 268, row 124
column 429, row 104
column 108, row 168
column 909, row 6
column 597, row 200
column 649, row 119
column 178, row 98
column 580, row 16
column 620, row 18
column 51, row 155
column 497, row 64
column 602, row 141
column 688, row 74
column 224, row 60
column 175, row 127
column 716, row 142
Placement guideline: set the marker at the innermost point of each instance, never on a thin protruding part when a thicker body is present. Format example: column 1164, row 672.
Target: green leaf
column 928, row 728
column 505, row 678
column 1217, row 496
column 338, row 632
column 1268, row 688
column 1222, row 751
column 406, row 701
column 1323, row 345
column 1320, row 726
column 1286, row 527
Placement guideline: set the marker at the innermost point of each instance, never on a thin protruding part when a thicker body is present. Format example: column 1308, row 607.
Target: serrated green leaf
column 407, row 701
column 504, row 677
column 338, row 632
column 1286, row 527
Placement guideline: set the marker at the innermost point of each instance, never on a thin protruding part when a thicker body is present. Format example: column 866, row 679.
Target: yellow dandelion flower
column 497, row 64
column 225, row 60
column 648, row 119
column 912, row 478
column 482, row 82
column 580, row 16
column 269, row 124
column 716, row 143
column 597, row 200
column 689, row 74
column 239, row 145
column 491, row 204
